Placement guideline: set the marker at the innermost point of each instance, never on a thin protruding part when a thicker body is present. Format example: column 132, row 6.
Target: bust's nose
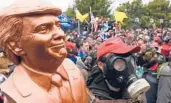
column 58, row 33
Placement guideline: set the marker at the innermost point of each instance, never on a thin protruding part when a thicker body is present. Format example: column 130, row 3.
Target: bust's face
column 43, row 42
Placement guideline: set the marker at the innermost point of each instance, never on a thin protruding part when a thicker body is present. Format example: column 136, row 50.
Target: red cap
column 157, row 39
column 70, row 45
column 117, row 46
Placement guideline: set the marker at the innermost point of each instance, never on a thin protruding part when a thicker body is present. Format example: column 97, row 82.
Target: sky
column 64, row 4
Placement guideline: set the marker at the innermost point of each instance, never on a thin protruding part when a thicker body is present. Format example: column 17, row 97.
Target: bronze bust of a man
column 30, row 35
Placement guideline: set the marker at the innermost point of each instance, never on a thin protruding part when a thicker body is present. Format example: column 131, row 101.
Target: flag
column 79, row 16
column 92, row 17
column 66, row 22
column 120, row 16
column 84, row 16
column 92, row 21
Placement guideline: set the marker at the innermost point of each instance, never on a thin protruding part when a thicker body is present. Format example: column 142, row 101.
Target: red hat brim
column 118, row 47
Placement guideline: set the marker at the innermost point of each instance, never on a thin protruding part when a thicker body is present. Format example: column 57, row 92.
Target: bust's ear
column 14, row 52
column 15, row 48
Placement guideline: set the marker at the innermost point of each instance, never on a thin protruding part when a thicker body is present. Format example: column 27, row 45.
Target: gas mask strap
column 111, row 87
column 104, row 60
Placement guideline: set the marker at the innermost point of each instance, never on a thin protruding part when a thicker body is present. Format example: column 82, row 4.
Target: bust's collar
column 44, row 80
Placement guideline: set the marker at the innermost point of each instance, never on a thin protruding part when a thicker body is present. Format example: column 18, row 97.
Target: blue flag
column 66, row 22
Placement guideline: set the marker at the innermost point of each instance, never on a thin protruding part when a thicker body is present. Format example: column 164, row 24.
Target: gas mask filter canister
column 138, row 87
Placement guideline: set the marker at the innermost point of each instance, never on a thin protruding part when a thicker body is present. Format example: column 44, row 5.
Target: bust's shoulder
column 8, row 87
column 7, row 83
column 68, row 61
column 68, row 64
column 71, row 68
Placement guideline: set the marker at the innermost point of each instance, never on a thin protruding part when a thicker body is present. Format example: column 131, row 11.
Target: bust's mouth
column 58, row 46
column 55, row 50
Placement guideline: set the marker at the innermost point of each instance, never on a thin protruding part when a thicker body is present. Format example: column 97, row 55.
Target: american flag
column 92, row 17
column 92, row 21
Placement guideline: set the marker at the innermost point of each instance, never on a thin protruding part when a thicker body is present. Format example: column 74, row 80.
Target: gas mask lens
column 119, row 64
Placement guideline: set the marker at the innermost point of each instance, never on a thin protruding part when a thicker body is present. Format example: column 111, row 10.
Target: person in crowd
column 71, row 50
column 157, row 73
column 113, row 76
column 155, row 42
column 31, row 36
column 83, row 48
column 166, row 48
column 6, row 68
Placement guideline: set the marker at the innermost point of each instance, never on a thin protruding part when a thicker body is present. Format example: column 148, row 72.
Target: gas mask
column 120, row 72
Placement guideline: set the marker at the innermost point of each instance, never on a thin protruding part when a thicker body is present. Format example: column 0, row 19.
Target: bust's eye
column 43, row 29
column 57, row 24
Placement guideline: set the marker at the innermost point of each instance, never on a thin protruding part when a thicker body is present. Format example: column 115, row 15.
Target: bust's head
column 30, row 33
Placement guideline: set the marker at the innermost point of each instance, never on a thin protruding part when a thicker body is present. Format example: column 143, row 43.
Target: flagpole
column 90, row 9
column 78, row 28
column 92, row 25
column 87, row 22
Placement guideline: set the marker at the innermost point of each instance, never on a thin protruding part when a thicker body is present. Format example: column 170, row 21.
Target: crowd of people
column 85, row 45
column 152, row 61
